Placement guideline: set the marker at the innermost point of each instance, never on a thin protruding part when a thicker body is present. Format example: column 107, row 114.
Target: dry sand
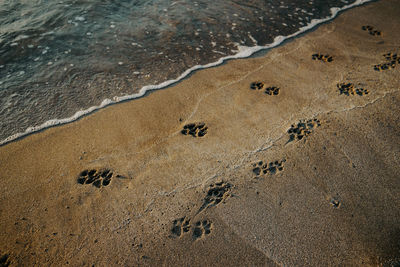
column 335, row 201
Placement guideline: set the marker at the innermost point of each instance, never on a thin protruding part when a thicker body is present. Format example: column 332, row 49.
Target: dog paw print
column 323, row 58
column 201, row 229
column 302, row 129
column 261, row 168
column 180, row 226
column 392, row 57
column 95, row 177
column 371, row 30
column 216, row 194
column 391, row 61
column 195, row 129
column 272, row 90
column 350, row 89
column 257, row 85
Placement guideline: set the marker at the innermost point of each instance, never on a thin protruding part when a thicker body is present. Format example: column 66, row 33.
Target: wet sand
column 326, row 192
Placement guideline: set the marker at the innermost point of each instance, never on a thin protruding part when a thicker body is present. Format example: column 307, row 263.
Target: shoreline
column 248, row 52
column 177, row 179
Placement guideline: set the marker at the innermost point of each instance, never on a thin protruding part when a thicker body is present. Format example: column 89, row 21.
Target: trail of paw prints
column 350, row 89
column 302, row 129
column 98, row 178
column 271, row 90
column 323, row 58
column 201, row 229
column 371, row 30
column 5, row 260
column 216, row 193
column 391, row 61
column 260, row 168
column 195, row 129
column 198, row 230
column 180, row 226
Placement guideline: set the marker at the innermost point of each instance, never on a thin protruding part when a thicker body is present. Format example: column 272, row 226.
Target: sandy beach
column 287, row 159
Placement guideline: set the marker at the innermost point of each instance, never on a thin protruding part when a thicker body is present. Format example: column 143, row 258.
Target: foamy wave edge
column 243, row 52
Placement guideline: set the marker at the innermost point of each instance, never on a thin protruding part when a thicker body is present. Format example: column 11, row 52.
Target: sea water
column 60, row 60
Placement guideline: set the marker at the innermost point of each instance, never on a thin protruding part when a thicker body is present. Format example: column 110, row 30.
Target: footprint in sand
column 201, row 229
column 257, row 85
column 216, row 193
column 391, row 61
column 98, row 178
column 350, row 89
column 272, row 90
column 195, row 129
column 180, row 226
column 260, row 168
column 302, row 129
column 323, row 58
column 371, row 30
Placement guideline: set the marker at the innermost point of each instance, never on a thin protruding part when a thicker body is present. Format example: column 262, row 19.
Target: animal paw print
column 392, row 57
column 215, row 195
column 257, row 85
column 392, row 61
column 371, row 30
column 350, row 89
column 324, row 58
column 272, row 90
column 97, row 178
column 302, row 129
column 261, row 168
column 201, row 229
column 195, row 129
column 180, row 226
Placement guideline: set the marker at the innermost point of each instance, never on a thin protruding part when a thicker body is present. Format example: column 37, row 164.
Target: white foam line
column 243, row 52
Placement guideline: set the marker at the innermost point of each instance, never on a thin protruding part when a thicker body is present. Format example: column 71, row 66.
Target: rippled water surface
column 59, row 57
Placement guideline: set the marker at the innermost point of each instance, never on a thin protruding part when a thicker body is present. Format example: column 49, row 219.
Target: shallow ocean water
column 60, row 57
